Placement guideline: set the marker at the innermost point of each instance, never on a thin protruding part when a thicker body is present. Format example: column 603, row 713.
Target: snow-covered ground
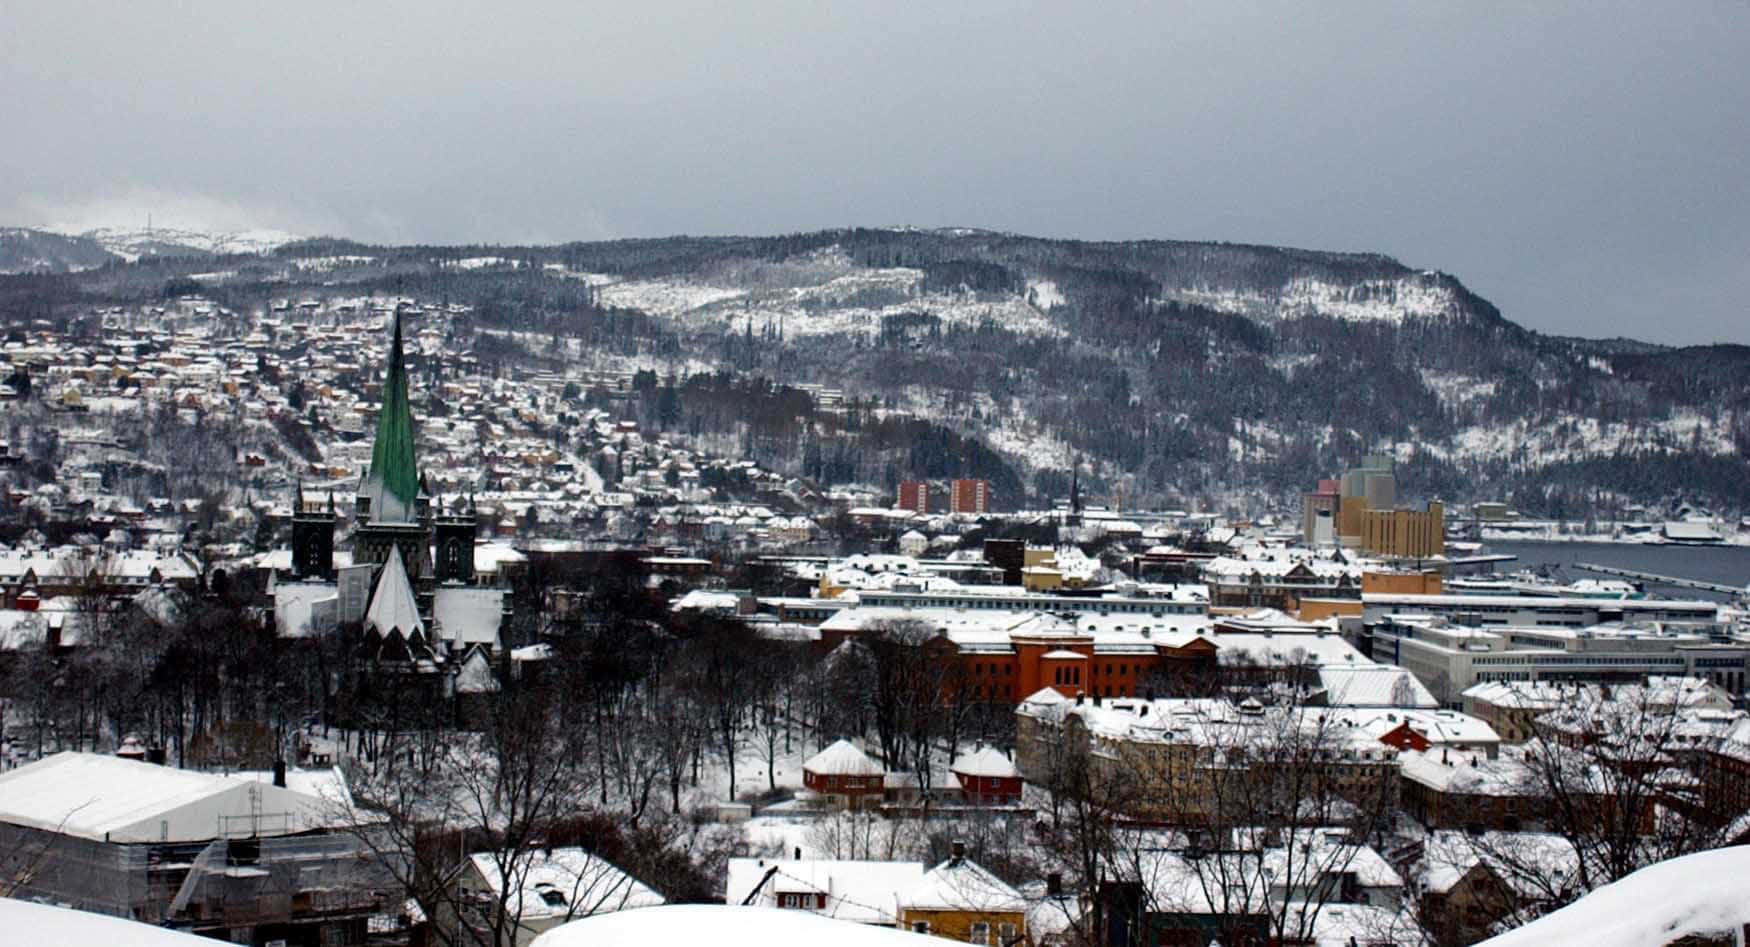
column 724, row 926
column 1702, row 894
column 27, row 922
column 1044, row 294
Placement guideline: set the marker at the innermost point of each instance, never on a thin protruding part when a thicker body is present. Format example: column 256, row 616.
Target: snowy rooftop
column 990, row 763
column 107, row 798
column 843, row 759
column 863, row 891
column 960, row 884
column 567, row 882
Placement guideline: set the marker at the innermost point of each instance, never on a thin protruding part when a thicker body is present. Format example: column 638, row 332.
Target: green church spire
column 392, row 461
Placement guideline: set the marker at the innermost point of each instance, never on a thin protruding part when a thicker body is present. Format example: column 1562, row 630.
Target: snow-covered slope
column 37, row 251
column 1411, row 296
column 723, row 926
column 1698, row 894
column 823, row 293
column 131, row 243
column 27, row 922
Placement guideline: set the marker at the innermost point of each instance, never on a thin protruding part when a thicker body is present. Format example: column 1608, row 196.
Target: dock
column 1672, row 580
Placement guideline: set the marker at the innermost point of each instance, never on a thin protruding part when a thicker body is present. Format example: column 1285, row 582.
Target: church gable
column 393, row 608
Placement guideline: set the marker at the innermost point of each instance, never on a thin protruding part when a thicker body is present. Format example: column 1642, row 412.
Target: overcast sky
column 1585, row 166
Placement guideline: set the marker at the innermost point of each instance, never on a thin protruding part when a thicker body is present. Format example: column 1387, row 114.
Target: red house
column 988, row 777
column 845, row 773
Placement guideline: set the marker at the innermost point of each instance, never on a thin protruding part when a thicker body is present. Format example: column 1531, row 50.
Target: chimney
column 1054, row 885
column 279, row 773
column 798, row 853
column 958, row 848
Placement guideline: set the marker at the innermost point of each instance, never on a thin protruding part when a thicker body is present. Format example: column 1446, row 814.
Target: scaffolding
column 318, row 888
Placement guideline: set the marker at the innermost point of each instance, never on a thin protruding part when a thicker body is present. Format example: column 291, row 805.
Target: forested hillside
column 1170, row 372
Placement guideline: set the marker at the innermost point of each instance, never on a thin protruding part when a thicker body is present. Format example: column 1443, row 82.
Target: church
column 409, row 589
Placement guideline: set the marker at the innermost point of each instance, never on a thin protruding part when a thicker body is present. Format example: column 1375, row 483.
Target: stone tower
column 312, row 538
column 453, row 539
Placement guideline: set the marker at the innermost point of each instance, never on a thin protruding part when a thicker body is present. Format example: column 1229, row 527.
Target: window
column 1005, row 934
column 920, row 927
column 551, row 895
column 980, row 933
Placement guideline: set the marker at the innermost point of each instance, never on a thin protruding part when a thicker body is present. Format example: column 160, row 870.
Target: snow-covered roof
column 960, row 884
column 467, row 615
column 863, row 891
column 1440, row 727
column 475, row 675
column 1381, row 685
column 988, row 763
column 394, row 608
column 296, row 606
column 107, row 798
column 724, row 926
column 566, row 882
column 843, row 759
column 1293, row 649
column 327, row 783
column 1467, row 772
column 1449, row 856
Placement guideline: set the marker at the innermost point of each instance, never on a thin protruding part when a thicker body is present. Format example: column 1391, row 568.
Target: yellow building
column 1405, row 534
column 1041, row 578
column 960, row 900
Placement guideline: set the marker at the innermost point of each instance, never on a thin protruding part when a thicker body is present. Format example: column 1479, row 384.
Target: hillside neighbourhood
column 328, row 624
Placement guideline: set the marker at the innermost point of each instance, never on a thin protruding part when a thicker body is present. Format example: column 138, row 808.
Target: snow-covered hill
column 23, row 250
column 131, row 243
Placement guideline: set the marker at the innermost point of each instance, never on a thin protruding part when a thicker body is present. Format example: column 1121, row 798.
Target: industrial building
column 237, row 859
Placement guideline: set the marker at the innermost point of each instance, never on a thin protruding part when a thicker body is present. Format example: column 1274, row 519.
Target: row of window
column 978, row 933
column 980, row 602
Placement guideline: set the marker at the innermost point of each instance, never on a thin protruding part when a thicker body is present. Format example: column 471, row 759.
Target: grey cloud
column 1579, row 164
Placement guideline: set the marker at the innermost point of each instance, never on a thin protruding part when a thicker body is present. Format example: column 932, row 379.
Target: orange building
column 1425, row 582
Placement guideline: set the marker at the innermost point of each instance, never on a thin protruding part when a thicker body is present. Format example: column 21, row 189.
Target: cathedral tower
column 392, row 506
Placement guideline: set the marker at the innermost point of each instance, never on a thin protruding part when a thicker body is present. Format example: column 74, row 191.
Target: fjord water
column 1728, row 565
